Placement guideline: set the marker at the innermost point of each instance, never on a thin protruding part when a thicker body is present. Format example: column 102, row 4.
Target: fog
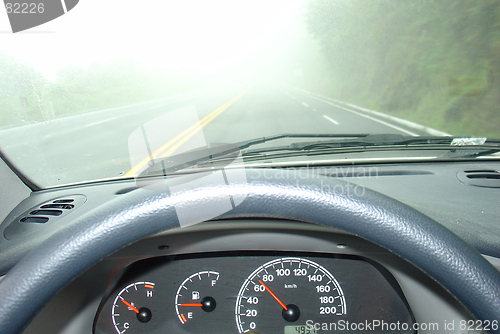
column 207, row 36
column 432, row 62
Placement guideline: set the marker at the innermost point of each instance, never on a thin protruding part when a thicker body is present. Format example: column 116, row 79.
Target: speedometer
column 282, row 294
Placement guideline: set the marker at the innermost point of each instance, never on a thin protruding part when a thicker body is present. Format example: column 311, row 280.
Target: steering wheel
column 446, row 258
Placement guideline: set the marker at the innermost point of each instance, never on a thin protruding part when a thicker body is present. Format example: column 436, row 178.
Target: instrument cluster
column 253, row 292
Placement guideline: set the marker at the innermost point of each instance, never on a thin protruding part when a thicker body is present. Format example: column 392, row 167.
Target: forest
column 435, row 62
column 27, row 95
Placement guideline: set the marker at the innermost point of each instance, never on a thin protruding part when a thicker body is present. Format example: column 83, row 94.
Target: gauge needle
column 192, row 304
column 130, row 305
column 274, row 296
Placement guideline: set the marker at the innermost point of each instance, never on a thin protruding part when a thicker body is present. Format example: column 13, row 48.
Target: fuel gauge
column 193, row 300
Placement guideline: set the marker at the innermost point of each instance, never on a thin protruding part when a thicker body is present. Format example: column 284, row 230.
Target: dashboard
column 225, row 259
column 252, row 292
column 221, row 259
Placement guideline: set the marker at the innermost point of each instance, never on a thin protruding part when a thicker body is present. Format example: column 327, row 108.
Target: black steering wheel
column 404, row 231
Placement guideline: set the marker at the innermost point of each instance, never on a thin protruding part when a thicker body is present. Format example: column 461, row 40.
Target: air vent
column 480, row 178
column 63, row 201
column 39, row 220
column 58, row 206
column 54, row 208
column 44, row 213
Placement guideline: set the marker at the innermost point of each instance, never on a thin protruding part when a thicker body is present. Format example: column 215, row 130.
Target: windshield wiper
column 261, row 140
column 220, row 155
column 456, row 147
column 392, row 139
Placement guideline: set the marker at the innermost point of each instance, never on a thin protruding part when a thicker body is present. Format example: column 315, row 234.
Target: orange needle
column 193, row 304
column 274, row 296
column 130, row 305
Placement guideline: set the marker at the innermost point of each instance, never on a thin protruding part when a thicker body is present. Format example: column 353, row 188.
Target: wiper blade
column 345, row 144
column 261, row 140
column 394, row 139
column 220, row 155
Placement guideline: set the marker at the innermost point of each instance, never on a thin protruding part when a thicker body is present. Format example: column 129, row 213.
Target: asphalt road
column 95, row 145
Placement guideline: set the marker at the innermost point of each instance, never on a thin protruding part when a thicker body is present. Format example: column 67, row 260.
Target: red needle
column 274, row 296
column 130, row 305
column 193, row 304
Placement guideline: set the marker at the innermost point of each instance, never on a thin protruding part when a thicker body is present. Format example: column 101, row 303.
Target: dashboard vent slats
column 39, row 220
column 42, row 214
column 58, row 206
column 480, row 178
column 51, row 209
column 58, row 201
column 46, row 212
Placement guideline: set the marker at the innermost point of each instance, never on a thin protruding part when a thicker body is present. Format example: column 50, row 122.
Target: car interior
column 258, row 167
column 418, row 245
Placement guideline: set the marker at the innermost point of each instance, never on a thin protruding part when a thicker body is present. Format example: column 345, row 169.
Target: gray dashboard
column 428, row 302
column 435, row 189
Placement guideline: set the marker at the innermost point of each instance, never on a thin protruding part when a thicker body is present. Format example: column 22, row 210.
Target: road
column 95, row 145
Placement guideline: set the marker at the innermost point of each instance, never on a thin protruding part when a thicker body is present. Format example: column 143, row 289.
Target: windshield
column 110, row 86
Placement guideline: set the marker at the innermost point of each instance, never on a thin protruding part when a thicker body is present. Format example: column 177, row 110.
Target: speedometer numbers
column 251, row 292
column 286, row 292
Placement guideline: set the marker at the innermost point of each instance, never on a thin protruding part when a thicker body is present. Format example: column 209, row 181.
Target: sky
column 198, row 35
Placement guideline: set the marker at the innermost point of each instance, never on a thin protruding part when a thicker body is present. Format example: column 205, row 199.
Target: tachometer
column 285, row 293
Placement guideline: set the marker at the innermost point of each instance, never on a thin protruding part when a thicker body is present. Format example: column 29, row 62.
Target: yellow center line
column 156, row 153
column 200, row 126
column 184, row 136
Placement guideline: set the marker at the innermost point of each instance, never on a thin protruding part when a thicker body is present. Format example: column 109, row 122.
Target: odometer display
column 287, row 291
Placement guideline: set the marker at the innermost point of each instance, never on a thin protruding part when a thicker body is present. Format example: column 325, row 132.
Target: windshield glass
column 109, row 87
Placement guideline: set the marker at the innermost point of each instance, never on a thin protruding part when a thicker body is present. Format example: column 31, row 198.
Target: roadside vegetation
column 435, row 62
column 26, row 95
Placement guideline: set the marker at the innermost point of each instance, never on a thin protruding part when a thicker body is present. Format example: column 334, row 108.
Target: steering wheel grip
column 321, row 200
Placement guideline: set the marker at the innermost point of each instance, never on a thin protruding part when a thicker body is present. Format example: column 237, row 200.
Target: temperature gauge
column 194, row 300
column 131, row 310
